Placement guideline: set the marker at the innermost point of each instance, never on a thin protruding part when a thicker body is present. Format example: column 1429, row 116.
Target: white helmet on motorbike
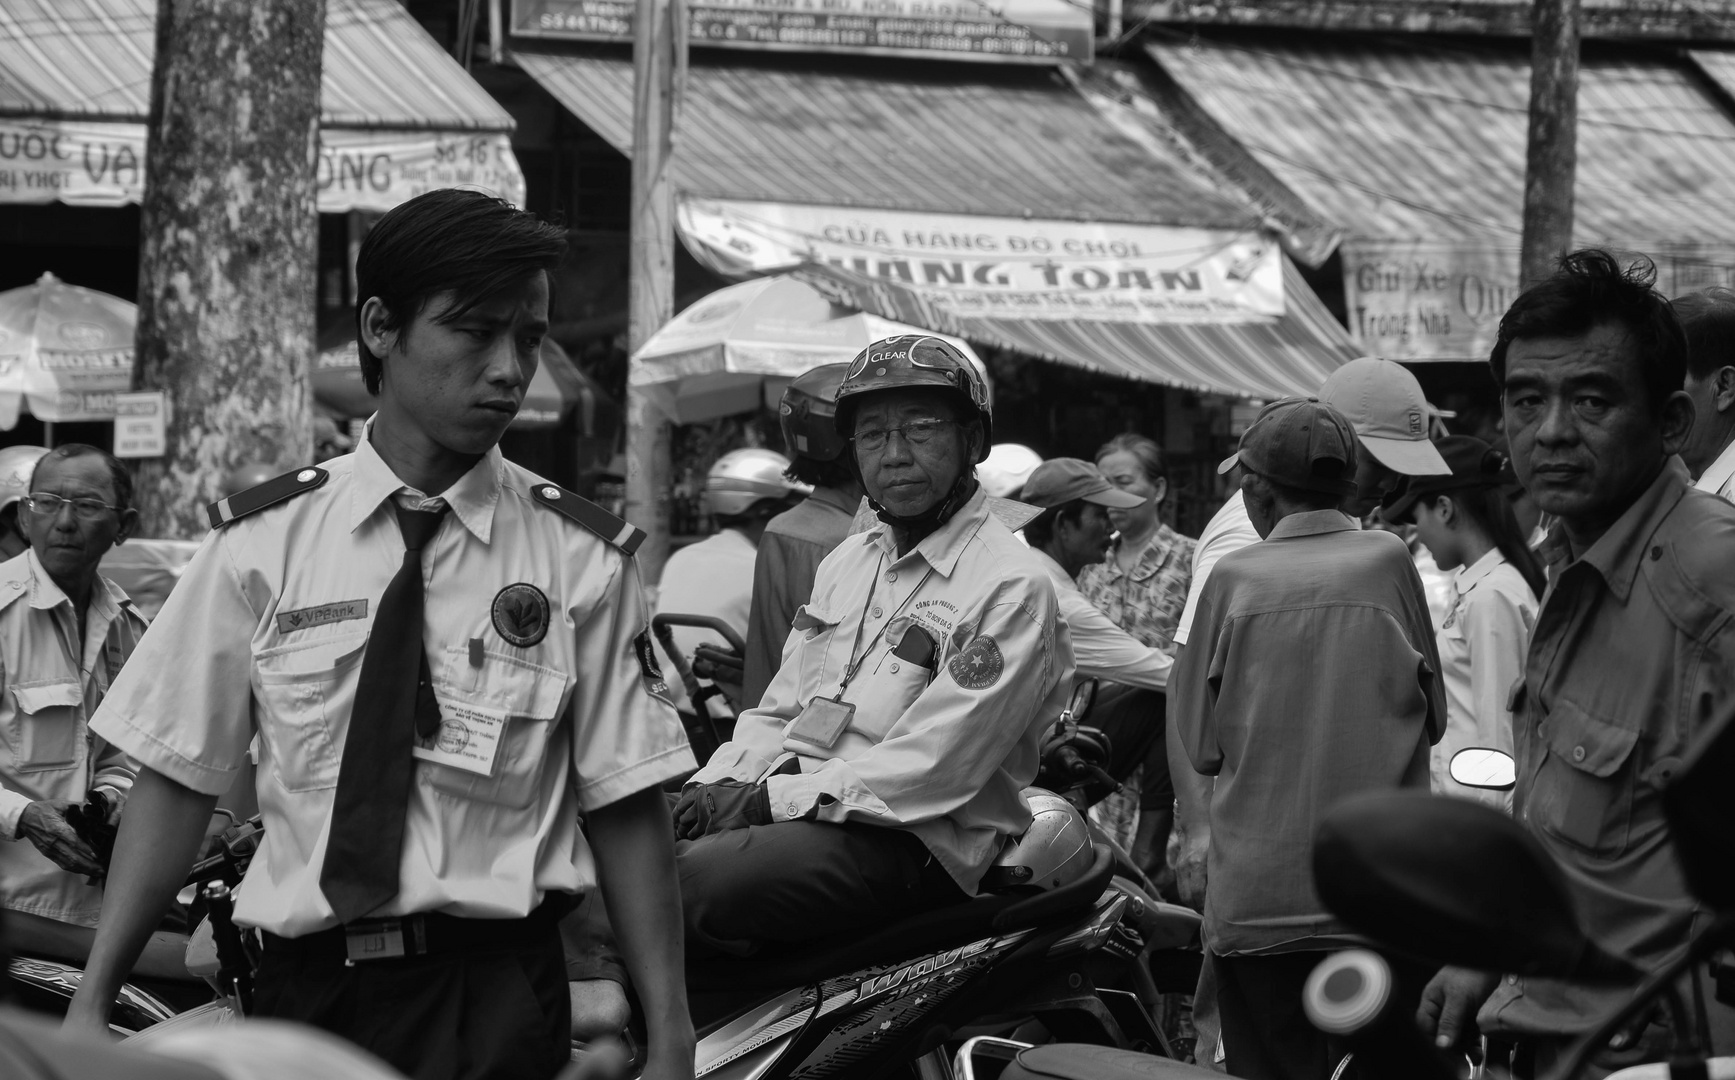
column 1054, row 851
column 741, row 478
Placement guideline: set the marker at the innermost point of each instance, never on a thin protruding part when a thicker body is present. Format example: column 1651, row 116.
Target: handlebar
column 661, row 622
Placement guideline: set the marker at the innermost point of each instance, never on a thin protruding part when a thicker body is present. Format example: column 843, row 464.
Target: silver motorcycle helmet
column 1053, row 852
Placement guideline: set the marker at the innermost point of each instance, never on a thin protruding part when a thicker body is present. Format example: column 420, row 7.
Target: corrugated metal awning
column 91, row 60
column 1423, row 140
column 1281, row 357
column 899, row 135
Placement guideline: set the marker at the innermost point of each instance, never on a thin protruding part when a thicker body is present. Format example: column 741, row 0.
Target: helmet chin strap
column 917, row 526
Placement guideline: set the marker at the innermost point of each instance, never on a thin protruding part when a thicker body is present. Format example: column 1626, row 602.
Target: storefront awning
column 1279, row 357
column 1414, row 140
column 1416, row 151
column 874, row 132
column 398, row 116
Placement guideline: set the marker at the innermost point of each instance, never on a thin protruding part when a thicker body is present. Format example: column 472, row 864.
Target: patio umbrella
column 738, row 347
column 556, row 386
column 64, row 350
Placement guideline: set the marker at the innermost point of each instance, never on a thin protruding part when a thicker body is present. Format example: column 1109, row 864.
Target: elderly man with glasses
column 65, row 631
column 880, row 775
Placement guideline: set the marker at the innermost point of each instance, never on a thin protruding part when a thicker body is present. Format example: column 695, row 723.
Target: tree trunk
column 228, row 246
column 651, row 270
column 1551, row 159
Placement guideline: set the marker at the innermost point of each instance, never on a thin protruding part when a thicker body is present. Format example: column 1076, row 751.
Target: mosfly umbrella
column 65, row 351
column 737, row 348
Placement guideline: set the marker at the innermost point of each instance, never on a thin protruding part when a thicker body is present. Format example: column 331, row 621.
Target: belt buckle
column 374, row 939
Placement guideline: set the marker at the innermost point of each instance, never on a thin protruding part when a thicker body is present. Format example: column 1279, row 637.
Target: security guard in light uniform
column 881, row 773
column 445, row 659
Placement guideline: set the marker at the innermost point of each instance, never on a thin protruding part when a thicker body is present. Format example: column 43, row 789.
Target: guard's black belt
column 424, row 934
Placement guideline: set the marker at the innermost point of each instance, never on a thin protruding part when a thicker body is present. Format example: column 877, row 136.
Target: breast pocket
column 304, row 695
column 817, row 631
column 46, row 733
column 1583, row 792
column 525, row 697
column 892, row 681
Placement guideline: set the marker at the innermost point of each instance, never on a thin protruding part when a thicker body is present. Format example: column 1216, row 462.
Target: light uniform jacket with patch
column 531, row 626
column 50, row 684
column 964, row 664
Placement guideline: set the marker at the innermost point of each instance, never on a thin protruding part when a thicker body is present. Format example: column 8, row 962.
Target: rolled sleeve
column 193, row 727
column 625, row 737
column 1105, row 651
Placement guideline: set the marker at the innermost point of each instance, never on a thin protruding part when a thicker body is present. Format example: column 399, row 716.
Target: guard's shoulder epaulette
column 237, row 506
column 588, row 515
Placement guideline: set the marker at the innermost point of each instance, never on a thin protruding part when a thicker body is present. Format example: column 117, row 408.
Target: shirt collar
column 1313, row 523
column 1158, row 550
column 106, row 598
column 1721, row 471
column 472, row 499
column 1617, row 553
column 942, row 547
column 1467, row 577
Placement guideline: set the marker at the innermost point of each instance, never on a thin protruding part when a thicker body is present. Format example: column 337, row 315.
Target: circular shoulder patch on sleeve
column 520, row 614
column 978, row 666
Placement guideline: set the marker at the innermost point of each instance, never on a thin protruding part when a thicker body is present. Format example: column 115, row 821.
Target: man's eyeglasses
column 48, row 506
column 915, row 433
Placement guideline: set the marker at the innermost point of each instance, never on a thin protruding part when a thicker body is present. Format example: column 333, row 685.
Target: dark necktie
column 373, row 783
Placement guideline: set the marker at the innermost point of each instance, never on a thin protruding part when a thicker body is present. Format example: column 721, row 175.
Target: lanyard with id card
column 823, row 720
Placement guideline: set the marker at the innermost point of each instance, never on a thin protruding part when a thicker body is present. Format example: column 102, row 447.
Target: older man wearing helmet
column 881, row 773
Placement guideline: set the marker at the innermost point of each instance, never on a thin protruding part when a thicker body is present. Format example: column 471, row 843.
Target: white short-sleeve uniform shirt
column 533, row 627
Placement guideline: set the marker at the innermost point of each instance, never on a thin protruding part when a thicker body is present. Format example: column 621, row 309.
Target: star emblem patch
column 978, row 666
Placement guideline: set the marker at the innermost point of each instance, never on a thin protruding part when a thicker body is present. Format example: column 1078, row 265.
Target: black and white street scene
column 867, row 539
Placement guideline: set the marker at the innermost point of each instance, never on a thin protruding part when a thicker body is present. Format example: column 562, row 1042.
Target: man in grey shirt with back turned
column 1310, row 675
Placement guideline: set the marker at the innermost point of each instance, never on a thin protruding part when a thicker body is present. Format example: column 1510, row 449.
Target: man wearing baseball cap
column 1070, row 534
column 1311, row 675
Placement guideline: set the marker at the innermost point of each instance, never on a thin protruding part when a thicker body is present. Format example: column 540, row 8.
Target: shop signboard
column 1005, row 31
column 1442, row 300
column 141, row 424
column 103, row 164
column 1004, row 268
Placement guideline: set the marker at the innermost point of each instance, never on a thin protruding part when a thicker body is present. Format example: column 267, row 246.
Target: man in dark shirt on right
column 1310, row 675
column 1633, row 653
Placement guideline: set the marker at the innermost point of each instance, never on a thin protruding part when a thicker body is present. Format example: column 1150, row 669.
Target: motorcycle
column 47, row 986
column 1450, row 881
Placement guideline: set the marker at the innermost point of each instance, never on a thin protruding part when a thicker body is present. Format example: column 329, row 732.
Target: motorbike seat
column 1080, row 1061
column 808, row 962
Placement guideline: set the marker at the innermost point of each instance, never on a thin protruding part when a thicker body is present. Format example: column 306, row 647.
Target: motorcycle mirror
column 1083, row 697
column 1485, row 768
column 1451, row 881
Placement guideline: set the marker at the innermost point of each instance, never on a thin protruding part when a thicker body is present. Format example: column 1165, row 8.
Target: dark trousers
column 1266, row 1033
column 491, row 1014
column 799, row 880
column 1132, row 718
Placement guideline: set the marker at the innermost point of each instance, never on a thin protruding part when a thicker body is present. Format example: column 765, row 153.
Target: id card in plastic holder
column 822, row 721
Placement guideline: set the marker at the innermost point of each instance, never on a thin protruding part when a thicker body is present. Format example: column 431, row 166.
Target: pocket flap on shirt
column 1588, row 743
column 39, row 696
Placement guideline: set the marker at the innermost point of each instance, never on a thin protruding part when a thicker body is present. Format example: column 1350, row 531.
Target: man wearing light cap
column 1071, row 533
column 1311, row 676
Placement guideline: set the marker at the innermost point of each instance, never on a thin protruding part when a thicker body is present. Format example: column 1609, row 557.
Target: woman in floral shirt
column 1142, row 586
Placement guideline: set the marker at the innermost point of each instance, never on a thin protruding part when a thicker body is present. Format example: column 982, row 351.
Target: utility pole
column 651, row 269
column 1551, row 159
column 228, row 246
